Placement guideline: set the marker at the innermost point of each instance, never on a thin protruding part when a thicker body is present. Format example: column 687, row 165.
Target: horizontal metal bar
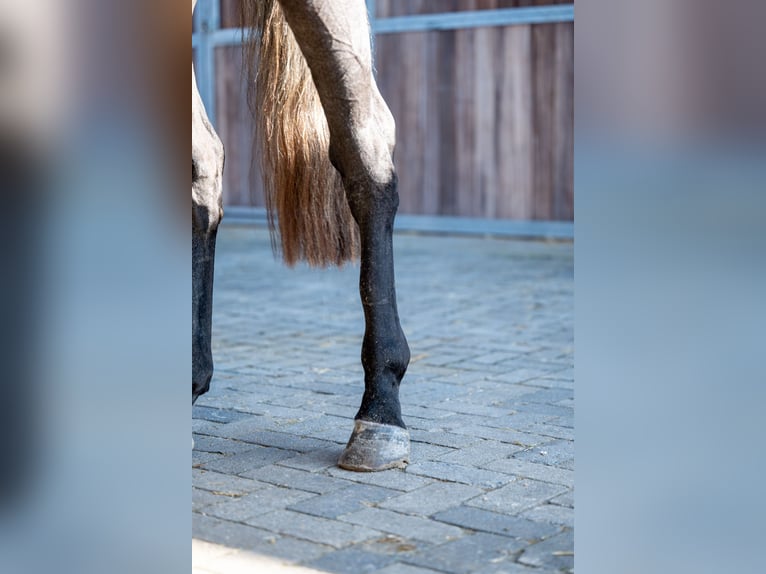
column 475, row 19
column 443, row 224
column 227, row 36
column 223, row 37
column 562, row 230
column 445, row 21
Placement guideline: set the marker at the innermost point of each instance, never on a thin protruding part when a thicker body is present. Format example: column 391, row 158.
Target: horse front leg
column 203, row 258
column 207, row 211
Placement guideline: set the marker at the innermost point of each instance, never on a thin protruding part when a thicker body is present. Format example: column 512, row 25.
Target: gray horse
column 327, row 141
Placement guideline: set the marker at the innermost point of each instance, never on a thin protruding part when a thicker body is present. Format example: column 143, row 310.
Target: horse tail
column 308, row 214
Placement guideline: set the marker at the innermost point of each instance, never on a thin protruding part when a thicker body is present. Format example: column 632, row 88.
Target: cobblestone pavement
column 488, row 398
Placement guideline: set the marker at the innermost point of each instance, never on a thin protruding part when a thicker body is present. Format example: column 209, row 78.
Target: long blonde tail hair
column 309, row 216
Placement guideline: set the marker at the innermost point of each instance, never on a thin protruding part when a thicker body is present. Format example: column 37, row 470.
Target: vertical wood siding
column 241, row 175
column 484, row 116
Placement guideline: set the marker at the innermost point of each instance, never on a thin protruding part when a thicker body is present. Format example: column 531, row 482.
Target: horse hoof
column 376, row 446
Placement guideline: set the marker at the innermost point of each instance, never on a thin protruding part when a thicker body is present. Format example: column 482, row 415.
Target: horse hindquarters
column 207, row 211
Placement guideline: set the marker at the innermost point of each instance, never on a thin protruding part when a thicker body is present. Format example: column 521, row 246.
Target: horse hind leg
column 380, row 439
column 334, row 38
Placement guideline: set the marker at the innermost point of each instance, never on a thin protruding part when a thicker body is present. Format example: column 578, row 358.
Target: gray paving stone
column 446, row 356
column 441, row 438
column 203, row 525
column 212, row 444
column 551, row 430
column 545, row 409
column 297, row 399
column 313, row 528
column 424, row 451
column 264, row 500
column 517, row 496
column 553, row 355
column 431, row 499
column 555, row 553
column 495, row 523
column 263, row 420
column 566, row 374
column 401, row 547
column 481, row 453
column 351, row 561
column 335, row 434
column 223, row 484
column 513, row 568
column 551, row 513
column 284, row 440
column 522, row 421
column 399, row 568
column 394, row 479
column 246, row 461
column 291, row 549
column 548, row 396
column 428, row 425
column 414, row 527
column 528, row 362
column 469, row 553
column 432, row 392
column 202, row 498
column 203, row 427
column 552, row 453
column 451, row 382
column 300, row 479
column 429, row 413
column 314, row 460
column 235, row 535
column 444, row 379
column 566, row 499
column 199, row 458
column 552, row 382
column 311, row 427
column 479, row 367
column 458, row 421
column 507, row 435
column 460, row 473
column 217, row 415
column 245, row 404
column 520, row 375
column 349, row 499
column 469, row 408
column 525, row 469
column 497, row 394
column 494, row 357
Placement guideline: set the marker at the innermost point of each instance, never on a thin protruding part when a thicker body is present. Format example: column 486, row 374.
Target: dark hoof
column 376, row 446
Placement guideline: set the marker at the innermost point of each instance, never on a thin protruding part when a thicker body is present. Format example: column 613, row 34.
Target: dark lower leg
column 203, row 255
column 385, row 353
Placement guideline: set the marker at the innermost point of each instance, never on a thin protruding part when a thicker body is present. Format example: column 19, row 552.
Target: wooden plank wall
column 241, row 176
column 484, row 116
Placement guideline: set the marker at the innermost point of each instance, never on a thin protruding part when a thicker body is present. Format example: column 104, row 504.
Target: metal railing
column 210, row 35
